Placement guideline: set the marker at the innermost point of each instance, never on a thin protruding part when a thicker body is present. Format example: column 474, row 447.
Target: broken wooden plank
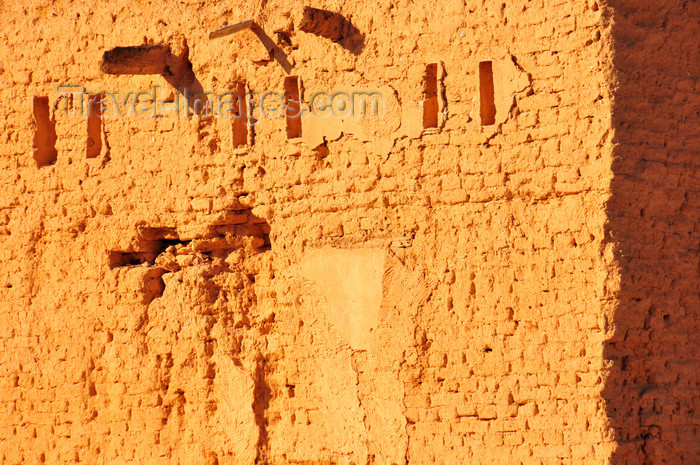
column 232, row 28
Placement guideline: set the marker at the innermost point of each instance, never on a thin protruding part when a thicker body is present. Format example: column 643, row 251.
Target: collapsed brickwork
column 472, row 278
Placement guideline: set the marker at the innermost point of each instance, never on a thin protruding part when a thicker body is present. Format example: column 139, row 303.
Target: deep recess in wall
column 45, row 152
column 292, row 105
column 430, row 96
column 94, row 126
column 219, row 240
column 486, row 89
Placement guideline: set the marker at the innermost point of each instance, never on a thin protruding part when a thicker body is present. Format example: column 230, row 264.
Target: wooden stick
column 230, row 29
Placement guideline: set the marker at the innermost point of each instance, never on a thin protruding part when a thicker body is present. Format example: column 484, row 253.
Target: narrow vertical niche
column 45, row 152
column 430, row 96
column 292, row 104
column 239, row 127
column 488, row 100
column 94, row 126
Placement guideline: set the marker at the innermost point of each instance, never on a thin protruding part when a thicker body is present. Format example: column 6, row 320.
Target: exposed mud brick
column 460, row 232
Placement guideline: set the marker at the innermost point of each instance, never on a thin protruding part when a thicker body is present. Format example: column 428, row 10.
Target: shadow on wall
column 334, row 27
column 327, row 24
column 652, row 391
column 272, row 48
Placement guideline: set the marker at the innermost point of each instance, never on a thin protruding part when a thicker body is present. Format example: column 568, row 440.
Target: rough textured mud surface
column 502, row 269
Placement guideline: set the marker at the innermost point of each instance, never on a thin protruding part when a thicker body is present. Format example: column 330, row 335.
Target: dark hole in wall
column 153, row 242
column 235, row 229
column 45, row 152
column 430, row 96
column 118, row 259
column 163, row 244
column 94, row 126
column 487, row 93
column 292, row 105
column 239, row 127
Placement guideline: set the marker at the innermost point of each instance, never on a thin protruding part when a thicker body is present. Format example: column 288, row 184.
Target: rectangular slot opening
column 430, row 96
column 94, row 126
column 292, row 105
column 239, row 127
column 488, row 101
column 45, row 152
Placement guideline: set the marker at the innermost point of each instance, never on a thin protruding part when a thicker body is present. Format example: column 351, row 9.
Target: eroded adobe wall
column 653, row 386
column 175, row 291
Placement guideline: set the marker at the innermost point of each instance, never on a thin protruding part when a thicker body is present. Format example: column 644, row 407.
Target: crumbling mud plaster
column 500, row 266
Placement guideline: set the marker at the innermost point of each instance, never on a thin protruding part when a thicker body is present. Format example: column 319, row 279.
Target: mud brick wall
column 652, row 391
column 501, row 269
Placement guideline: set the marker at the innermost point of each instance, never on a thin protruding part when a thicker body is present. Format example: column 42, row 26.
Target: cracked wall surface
column 452, row 282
